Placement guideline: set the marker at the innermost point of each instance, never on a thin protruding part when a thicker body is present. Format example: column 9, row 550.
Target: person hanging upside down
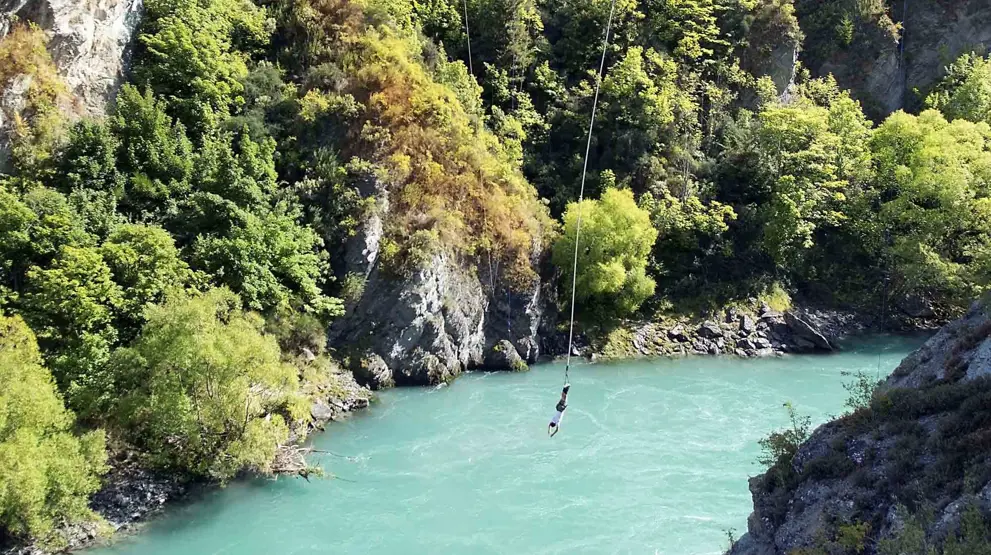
column 555, row 424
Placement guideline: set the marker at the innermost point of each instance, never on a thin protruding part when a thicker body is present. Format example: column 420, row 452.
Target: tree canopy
column 615, row 240
column 204, row 390
column 46, row 471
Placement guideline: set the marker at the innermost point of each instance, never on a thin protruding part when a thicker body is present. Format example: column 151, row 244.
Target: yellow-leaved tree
column 46, row 472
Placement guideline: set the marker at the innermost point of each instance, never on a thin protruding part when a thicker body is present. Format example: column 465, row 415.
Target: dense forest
column 163, row 269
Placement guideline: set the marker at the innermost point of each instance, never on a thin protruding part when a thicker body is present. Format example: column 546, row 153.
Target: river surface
column 652, row 457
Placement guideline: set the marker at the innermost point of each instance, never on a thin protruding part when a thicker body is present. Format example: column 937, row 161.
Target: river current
column 652, row 457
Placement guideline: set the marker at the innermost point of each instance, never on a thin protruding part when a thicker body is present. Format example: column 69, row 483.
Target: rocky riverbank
column 902, row 472
column 744, row 333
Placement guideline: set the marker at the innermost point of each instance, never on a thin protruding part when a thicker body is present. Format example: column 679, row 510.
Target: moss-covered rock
column 503, row 356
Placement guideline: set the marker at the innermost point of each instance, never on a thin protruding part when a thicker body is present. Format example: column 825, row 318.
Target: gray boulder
column 746, row 344
column 503, row 356
column 372, row 371
column 321, row 411
column 710, row 330
column 803, row 329
column 677, row 333
column 747, row 325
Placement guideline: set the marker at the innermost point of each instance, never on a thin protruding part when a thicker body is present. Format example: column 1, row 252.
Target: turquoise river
column 653, row 457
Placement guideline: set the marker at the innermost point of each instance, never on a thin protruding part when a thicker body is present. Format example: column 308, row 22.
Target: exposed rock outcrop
column 89, row 42
column 773, row 47
column 759, row 334
column 921, row 445
column 874, row 67
column 429, row 327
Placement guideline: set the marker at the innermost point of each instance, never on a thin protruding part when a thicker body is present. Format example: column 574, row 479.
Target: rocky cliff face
column 89, row 40
column 447, row 317
column 885, row 79
column 920, row 448
column 773, row 46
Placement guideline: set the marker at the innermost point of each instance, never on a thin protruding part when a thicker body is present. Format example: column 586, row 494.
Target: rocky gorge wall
column 428, row 327
column 887, row 71
column 89, row 41
column 921, row 446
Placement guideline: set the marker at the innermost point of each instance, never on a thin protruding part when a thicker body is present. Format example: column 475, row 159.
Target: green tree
column 16, row 220
column 55, row 225
column 203, row 391
column 46, row 472
column 71, row 305
column 88, row 160
column 96, row 211
column 146, row 265
column 932, row 190
column 817, row 153
column 238, row 169
column 155, row 155
column 194, row 55
column 974, row 536
column 33, row 229
column 965, row 92
column 615, row 242
column 911, row 538
column 690, row 235
column 88, row 175
column 640, row 101
column 271, row 261
column 687, row 27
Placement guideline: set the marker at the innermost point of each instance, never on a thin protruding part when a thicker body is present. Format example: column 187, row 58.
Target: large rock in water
column 503, row 356
column 922, row 443
column 803, row 329
column 428, row 327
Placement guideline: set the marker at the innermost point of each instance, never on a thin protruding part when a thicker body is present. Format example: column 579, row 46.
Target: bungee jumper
column 555, row 424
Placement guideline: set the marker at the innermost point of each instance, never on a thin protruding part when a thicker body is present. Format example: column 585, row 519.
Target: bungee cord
column 581, row 190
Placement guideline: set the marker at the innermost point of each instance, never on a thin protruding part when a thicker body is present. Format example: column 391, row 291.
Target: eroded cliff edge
column 912, row 462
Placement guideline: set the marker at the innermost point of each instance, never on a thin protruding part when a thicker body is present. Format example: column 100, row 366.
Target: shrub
column 37, row 124
column 778, row 450
column 203, row 390
column 46, row 472
column 352, row 288
column 861, row 391
column 615, row 242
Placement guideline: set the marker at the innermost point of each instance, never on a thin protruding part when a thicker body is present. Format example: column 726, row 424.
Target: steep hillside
column 906, row 472
column 88, row 41
column 889, row 53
